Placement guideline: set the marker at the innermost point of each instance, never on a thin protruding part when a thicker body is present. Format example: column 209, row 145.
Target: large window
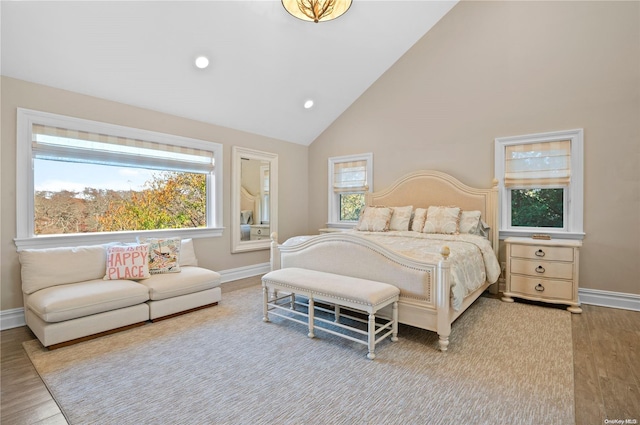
column 541, row 185
column 350, row 177
column 82, row 181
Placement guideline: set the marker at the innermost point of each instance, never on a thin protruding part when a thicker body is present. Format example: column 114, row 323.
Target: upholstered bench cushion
column 359, row 291
column 188, row 281
column 73, row 300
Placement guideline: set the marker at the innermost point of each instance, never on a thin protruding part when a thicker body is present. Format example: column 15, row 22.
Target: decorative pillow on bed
column 470, row 222
column 164, row 254
column 374, row 219
column 442, row 220
column 246, row 217
column 400, row 217
column 419, row 217
column 127, row 262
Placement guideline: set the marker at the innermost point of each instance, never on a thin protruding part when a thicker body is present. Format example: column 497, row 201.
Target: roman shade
column 538, row 164
column 61, row 144
column 350, row 176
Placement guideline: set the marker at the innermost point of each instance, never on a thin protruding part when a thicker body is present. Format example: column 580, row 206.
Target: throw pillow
column 400, row 217
column 375, row 219
column 419, row 217
column 164, row 254
column 127, row 262
column 469, row 222
column 442, row 220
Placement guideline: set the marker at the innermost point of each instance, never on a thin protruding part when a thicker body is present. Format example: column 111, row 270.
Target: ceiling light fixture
column 308, row 104
column 202, row 62
column 316, row 10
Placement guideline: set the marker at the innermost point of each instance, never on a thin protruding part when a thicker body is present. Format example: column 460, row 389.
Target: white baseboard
column 244, row 272
column 601, row 298
column 14, row 318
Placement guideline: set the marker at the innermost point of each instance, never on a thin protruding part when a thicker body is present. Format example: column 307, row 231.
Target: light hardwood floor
column 606, row 350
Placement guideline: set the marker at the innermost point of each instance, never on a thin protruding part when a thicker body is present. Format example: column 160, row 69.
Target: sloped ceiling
column 263, row 62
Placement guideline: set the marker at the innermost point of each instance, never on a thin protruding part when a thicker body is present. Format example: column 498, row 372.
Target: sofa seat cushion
column 64, row 302
column 189, row 280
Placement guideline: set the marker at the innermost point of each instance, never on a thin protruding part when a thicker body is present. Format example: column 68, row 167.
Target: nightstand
column 543, row 270
column 259, row 232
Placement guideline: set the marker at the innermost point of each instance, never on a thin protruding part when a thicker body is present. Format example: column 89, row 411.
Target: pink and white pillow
column 127, row 262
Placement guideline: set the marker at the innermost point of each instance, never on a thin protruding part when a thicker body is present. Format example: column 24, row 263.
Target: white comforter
column 473, row 260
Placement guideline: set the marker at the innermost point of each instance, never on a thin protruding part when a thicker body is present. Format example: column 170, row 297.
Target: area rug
column 507, row 363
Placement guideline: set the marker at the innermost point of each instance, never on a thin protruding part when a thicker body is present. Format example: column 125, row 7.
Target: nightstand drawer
column 542, row 288
column 555, row 253
column 547, row 269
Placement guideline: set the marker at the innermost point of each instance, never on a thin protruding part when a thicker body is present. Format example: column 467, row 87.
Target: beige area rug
column 506, row 364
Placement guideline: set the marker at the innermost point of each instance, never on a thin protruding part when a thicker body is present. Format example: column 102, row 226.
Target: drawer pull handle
column 539, row 253
column 539, row 287
column 540, row 269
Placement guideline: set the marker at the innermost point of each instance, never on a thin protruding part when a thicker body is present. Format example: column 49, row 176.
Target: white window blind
column 60, row 144
column 538, row 164
column 350, row 176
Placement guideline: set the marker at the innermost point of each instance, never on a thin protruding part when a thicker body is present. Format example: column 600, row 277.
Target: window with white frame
column 89, row 181
column 350, row 177
column 541, row 183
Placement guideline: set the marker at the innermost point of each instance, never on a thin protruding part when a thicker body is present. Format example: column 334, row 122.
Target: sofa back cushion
column 42, row 268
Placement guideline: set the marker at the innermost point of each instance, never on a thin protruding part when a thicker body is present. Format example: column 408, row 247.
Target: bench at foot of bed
column 356, row 294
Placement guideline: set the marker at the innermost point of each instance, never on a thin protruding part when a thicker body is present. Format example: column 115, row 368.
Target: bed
column 439, row 270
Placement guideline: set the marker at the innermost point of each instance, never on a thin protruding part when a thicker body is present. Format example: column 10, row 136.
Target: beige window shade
column 350, row 176
column 61, row 144
column 538, row 164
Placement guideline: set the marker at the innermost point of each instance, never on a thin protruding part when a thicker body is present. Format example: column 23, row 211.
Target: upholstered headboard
column 426, row 188
column 249, row 202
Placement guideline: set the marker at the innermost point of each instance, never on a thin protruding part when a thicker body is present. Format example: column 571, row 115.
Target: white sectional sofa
column 67, row 298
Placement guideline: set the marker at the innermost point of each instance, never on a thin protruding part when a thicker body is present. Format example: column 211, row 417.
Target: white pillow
column 400, row 218
column 470, row 222
column 419, row 217
column 374, row 219
column 188, row 253
column 442, row 220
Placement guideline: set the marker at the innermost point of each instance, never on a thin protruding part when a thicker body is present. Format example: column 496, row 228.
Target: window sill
column 554, row 234
column 102, row 238
column 341, row 225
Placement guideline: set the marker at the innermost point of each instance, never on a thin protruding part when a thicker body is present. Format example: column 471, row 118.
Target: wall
column 213, row 253
column 493, row 69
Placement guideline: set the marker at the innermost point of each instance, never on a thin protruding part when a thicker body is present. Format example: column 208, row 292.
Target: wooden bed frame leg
column 443, row 342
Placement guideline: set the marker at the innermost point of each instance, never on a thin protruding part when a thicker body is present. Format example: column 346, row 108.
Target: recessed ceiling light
column 308, row 104
column 202, row 62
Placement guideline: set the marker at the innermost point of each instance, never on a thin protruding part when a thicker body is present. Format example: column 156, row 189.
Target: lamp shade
column 316, row 10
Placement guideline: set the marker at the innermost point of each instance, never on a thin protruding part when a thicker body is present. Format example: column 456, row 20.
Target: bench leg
column 394, row 334
column 265, row 304
column 372, row 336
column 311, row 317
column 337, row 313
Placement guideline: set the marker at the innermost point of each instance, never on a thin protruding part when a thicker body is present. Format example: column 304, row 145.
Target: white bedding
column 473, row 260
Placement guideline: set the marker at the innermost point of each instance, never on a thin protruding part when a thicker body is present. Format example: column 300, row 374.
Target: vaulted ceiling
column 264, row 63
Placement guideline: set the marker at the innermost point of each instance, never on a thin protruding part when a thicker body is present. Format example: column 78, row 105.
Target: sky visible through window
column 55, row 176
